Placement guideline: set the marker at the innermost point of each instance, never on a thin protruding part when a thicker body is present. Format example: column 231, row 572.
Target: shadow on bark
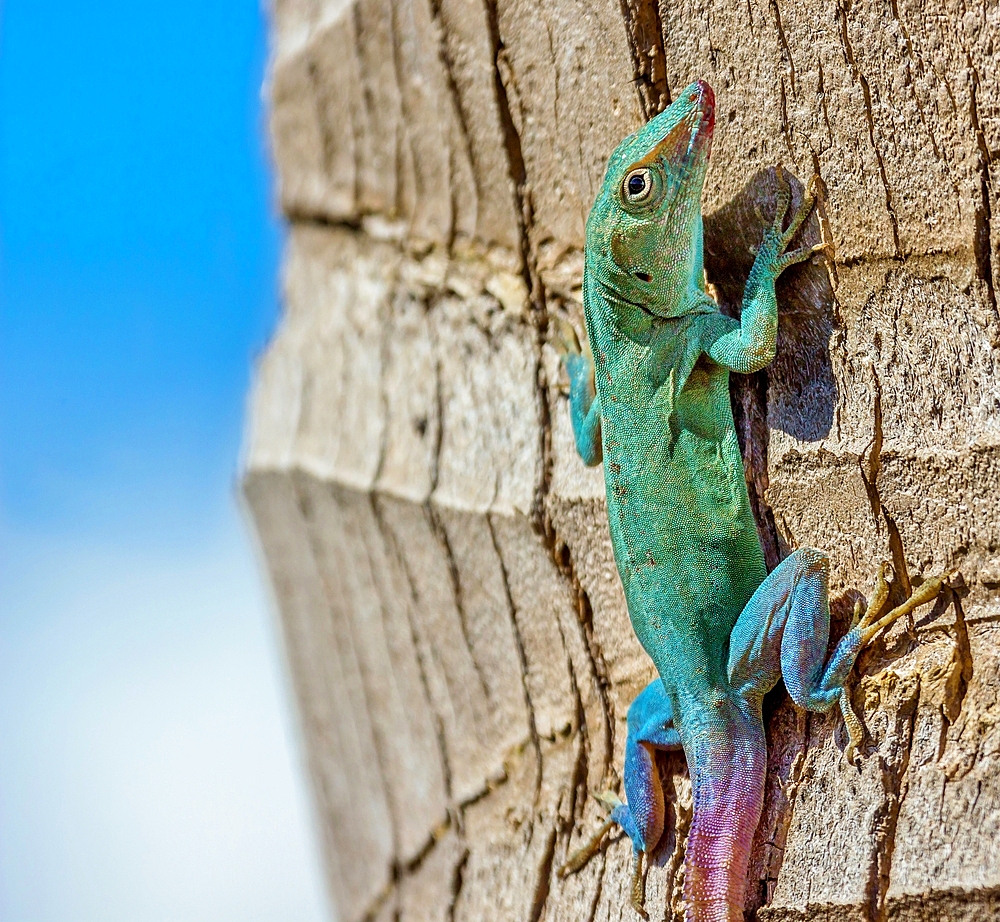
column 797, row 393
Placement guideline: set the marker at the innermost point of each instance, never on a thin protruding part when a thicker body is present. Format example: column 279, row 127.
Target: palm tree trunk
column 454, row 625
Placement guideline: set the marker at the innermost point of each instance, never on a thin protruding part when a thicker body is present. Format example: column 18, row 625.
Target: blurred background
column 150, row 766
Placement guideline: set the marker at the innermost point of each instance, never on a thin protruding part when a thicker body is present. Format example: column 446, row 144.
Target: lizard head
column 644, row 231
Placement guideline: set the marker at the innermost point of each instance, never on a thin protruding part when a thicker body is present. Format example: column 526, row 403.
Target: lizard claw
column 783, row 200
column 564, row 338
column 609, row 799
column 855, row 729
column 638, row 886
column 777, row 237
column 802, row 254
column 926, row 592
column 873, row 621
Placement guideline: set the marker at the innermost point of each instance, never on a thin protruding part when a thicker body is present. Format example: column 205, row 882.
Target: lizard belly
column 684, row 536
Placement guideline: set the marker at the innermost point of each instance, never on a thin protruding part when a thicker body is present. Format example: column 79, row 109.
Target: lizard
column 649, row 396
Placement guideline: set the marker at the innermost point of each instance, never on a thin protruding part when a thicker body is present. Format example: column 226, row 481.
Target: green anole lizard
column 651, row 399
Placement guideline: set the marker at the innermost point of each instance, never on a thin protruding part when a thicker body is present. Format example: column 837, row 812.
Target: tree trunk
column 456, row 629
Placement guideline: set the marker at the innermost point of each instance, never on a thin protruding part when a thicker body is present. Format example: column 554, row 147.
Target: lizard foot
column 592, row 846
column 869, row 624
column 638, row 890
column 563, row 337
column 782, row 236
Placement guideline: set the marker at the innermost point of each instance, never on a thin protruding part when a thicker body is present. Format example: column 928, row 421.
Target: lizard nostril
column 643, row 276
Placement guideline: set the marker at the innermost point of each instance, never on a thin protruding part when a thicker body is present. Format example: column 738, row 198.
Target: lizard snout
column 702, row 97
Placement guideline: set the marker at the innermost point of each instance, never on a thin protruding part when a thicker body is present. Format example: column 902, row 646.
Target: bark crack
column 515, row 155
column 842, row 10
column 403, row 136
column 392, row 542
column 457, row 882
column 748, row 396
column 437, row 526
column 885, row 833
column 785, row 48
column 461, row 118
column 522, row 659
column 541, row 894
column 644, row 30
column 983, row 242
column 872, row 465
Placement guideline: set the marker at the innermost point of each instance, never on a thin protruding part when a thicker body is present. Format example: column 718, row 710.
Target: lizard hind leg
column 784, row 629
column 650, row 727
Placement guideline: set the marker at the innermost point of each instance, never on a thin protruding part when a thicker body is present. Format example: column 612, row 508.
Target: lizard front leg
column 584, row 403
column 752, row 344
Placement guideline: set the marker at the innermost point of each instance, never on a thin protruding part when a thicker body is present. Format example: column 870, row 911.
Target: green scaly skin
column 653, row 404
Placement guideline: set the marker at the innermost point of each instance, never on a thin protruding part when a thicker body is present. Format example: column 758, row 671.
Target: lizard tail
column 728, row 769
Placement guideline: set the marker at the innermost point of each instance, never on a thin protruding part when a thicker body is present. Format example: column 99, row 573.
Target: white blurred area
column 150, row 763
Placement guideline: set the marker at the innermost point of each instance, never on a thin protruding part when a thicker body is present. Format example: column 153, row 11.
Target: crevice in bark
column 302, row 216
column 439, row 434
column 489, row 786
column 457, row 881
column 391, row 542
column 423, row 853
column 644, row 30
column 355, row 128
column 383, row 897
column 786, row 131
column 585, row 619
column 405, row 127
column 515, row 156
column 748, row 396
column 958, row 682
column 522, row 659
column 402, row 132
column 578, row 782
column 872, row 465
column 544, row 878
column 786, row 50
column 842, row 10
column 461, row 118
column 441, row 533
column 884, row 844
column 539, row 513
column 983, row 240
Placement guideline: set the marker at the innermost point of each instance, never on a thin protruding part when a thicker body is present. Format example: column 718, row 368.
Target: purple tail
column 728, row 767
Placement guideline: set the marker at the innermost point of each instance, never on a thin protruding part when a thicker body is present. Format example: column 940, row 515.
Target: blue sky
column 150, row 767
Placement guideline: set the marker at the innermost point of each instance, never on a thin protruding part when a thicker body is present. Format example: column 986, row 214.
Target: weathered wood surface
column 454, row 623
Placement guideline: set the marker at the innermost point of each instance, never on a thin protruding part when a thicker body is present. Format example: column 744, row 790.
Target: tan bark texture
column 456, row 630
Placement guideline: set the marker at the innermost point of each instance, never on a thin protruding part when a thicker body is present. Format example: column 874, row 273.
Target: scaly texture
column 651, row 397
column 407, row 405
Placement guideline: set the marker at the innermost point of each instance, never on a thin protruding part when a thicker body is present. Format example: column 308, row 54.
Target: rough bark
column 456, row 630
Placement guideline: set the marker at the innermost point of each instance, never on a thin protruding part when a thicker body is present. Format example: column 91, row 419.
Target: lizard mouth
column 702, row 97
column 700, row 119
column 690, row 138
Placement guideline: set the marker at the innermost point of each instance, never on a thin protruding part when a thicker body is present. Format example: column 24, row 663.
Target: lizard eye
column 637, row 185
